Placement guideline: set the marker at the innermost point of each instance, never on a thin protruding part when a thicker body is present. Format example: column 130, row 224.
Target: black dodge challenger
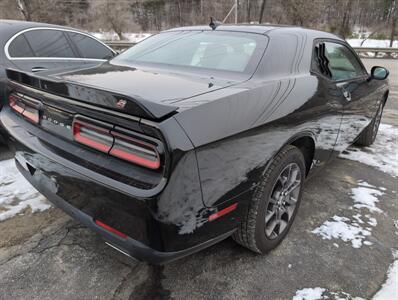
column 193, row 135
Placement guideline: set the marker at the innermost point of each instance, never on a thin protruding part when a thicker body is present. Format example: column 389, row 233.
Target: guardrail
column 365, row 52
column 119, row 45
column 374, row 52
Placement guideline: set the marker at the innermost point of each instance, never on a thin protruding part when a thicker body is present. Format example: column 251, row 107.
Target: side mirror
column 379, row 73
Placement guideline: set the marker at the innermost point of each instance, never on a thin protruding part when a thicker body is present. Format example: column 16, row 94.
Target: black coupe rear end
column 193, row 135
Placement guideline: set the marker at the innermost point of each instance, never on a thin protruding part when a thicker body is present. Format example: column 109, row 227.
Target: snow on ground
column 371, row 43
column 355, row 229
column 365, row 196
column 382, row 155
column 344, row 229
column 139, row 36
column 309, row 294
column 130, row 36
column 321, row 293
column 389, row 290
column 16, row 194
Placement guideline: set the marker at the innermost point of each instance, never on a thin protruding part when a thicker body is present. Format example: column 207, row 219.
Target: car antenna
column 214, row 23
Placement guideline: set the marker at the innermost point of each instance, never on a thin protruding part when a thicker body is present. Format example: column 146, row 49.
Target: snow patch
column 371, row 221
column 382, row 155
column 372, row 43
column 309, row 294
column 366, row 196
column 389, row 290
column 133, row 37
column 357, row 217
column 354, row 229
column 16, row 193
column 344, row 229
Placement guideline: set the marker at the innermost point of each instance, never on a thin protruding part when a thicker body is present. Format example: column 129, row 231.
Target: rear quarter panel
column 238, row 134
column 238, row 130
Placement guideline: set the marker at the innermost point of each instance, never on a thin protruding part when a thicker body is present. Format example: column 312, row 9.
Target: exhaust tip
column 121, row 251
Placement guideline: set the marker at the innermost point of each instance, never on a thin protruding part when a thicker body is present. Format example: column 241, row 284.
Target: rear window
column 214, row 50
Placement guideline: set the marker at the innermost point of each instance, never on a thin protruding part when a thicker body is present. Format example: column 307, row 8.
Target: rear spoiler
column 107, row 99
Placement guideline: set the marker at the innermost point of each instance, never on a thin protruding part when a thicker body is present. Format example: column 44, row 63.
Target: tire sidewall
column 264, row 190
column 379, row 114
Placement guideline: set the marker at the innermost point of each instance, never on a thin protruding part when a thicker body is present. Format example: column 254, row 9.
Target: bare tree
column 25, row 8
column 393, row 17
column 337, row 16
column 112, row 15
column 345, row 26
column 263, row 3
column 302, row 12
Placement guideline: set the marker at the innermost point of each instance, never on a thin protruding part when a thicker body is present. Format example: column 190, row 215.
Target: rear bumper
column 160, row 228
column 128, row 246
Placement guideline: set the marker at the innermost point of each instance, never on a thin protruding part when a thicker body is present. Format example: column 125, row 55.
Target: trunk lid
column 146, row 93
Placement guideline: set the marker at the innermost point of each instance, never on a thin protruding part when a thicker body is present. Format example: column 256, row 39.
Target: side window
column 49, row 43
column 19, row 47
column 90, row 48
column 342, row 63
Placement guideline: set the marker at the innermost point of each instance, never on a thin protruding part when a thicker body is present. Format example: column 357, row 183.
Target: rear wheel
column 274, row 204
column 368, row 136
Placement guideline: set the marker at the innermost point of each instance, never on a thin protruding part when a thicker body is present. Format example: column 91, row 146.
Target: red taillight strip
column 107, row 138
column 13, row 101
column 32, row 116
column 223, row 212
column 111, row 229
column 135, row 159
column 28, row 111
column 140, row 146
column 79, row 137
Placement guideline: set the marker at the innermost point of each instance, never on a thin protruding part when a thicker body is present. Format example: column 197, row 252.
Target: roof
column 268, row 29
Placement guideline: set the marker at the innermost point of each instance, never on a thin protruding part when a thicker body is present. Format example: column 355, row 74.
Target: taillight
column 127, row 146
column 93, row 136
column 135, row 151
column 27, row 108
column 15, row 104
column 31, row 113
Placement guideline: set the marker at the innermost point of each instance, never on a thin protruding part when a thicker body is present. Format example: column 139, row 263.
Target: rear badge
column 121, row 103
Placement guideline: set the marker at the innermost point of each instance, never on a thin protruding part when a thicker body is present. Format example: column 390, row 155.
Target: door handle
column 38, row 69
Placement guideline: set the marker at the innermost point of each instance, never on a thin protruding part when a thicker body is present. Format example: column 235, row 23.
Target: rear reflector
column 223, row 212
column 135, row 151
column 110, row 229
column 92, row 136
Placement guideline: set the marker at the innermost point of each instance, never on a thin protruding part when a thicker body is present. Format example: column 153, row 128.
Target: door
column 348, row 80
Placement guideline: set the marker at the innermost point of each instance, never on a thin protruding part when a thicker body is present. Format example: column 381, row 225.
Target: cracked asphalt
column 48, row 255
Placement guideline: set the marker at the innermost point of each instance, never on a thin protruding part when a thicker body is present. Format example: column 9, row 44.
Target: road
column 47, row 255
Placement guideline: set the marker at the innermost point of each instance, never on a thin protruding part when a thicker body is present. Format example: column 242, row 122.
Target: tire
column 368, row 135
column 254, row 232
